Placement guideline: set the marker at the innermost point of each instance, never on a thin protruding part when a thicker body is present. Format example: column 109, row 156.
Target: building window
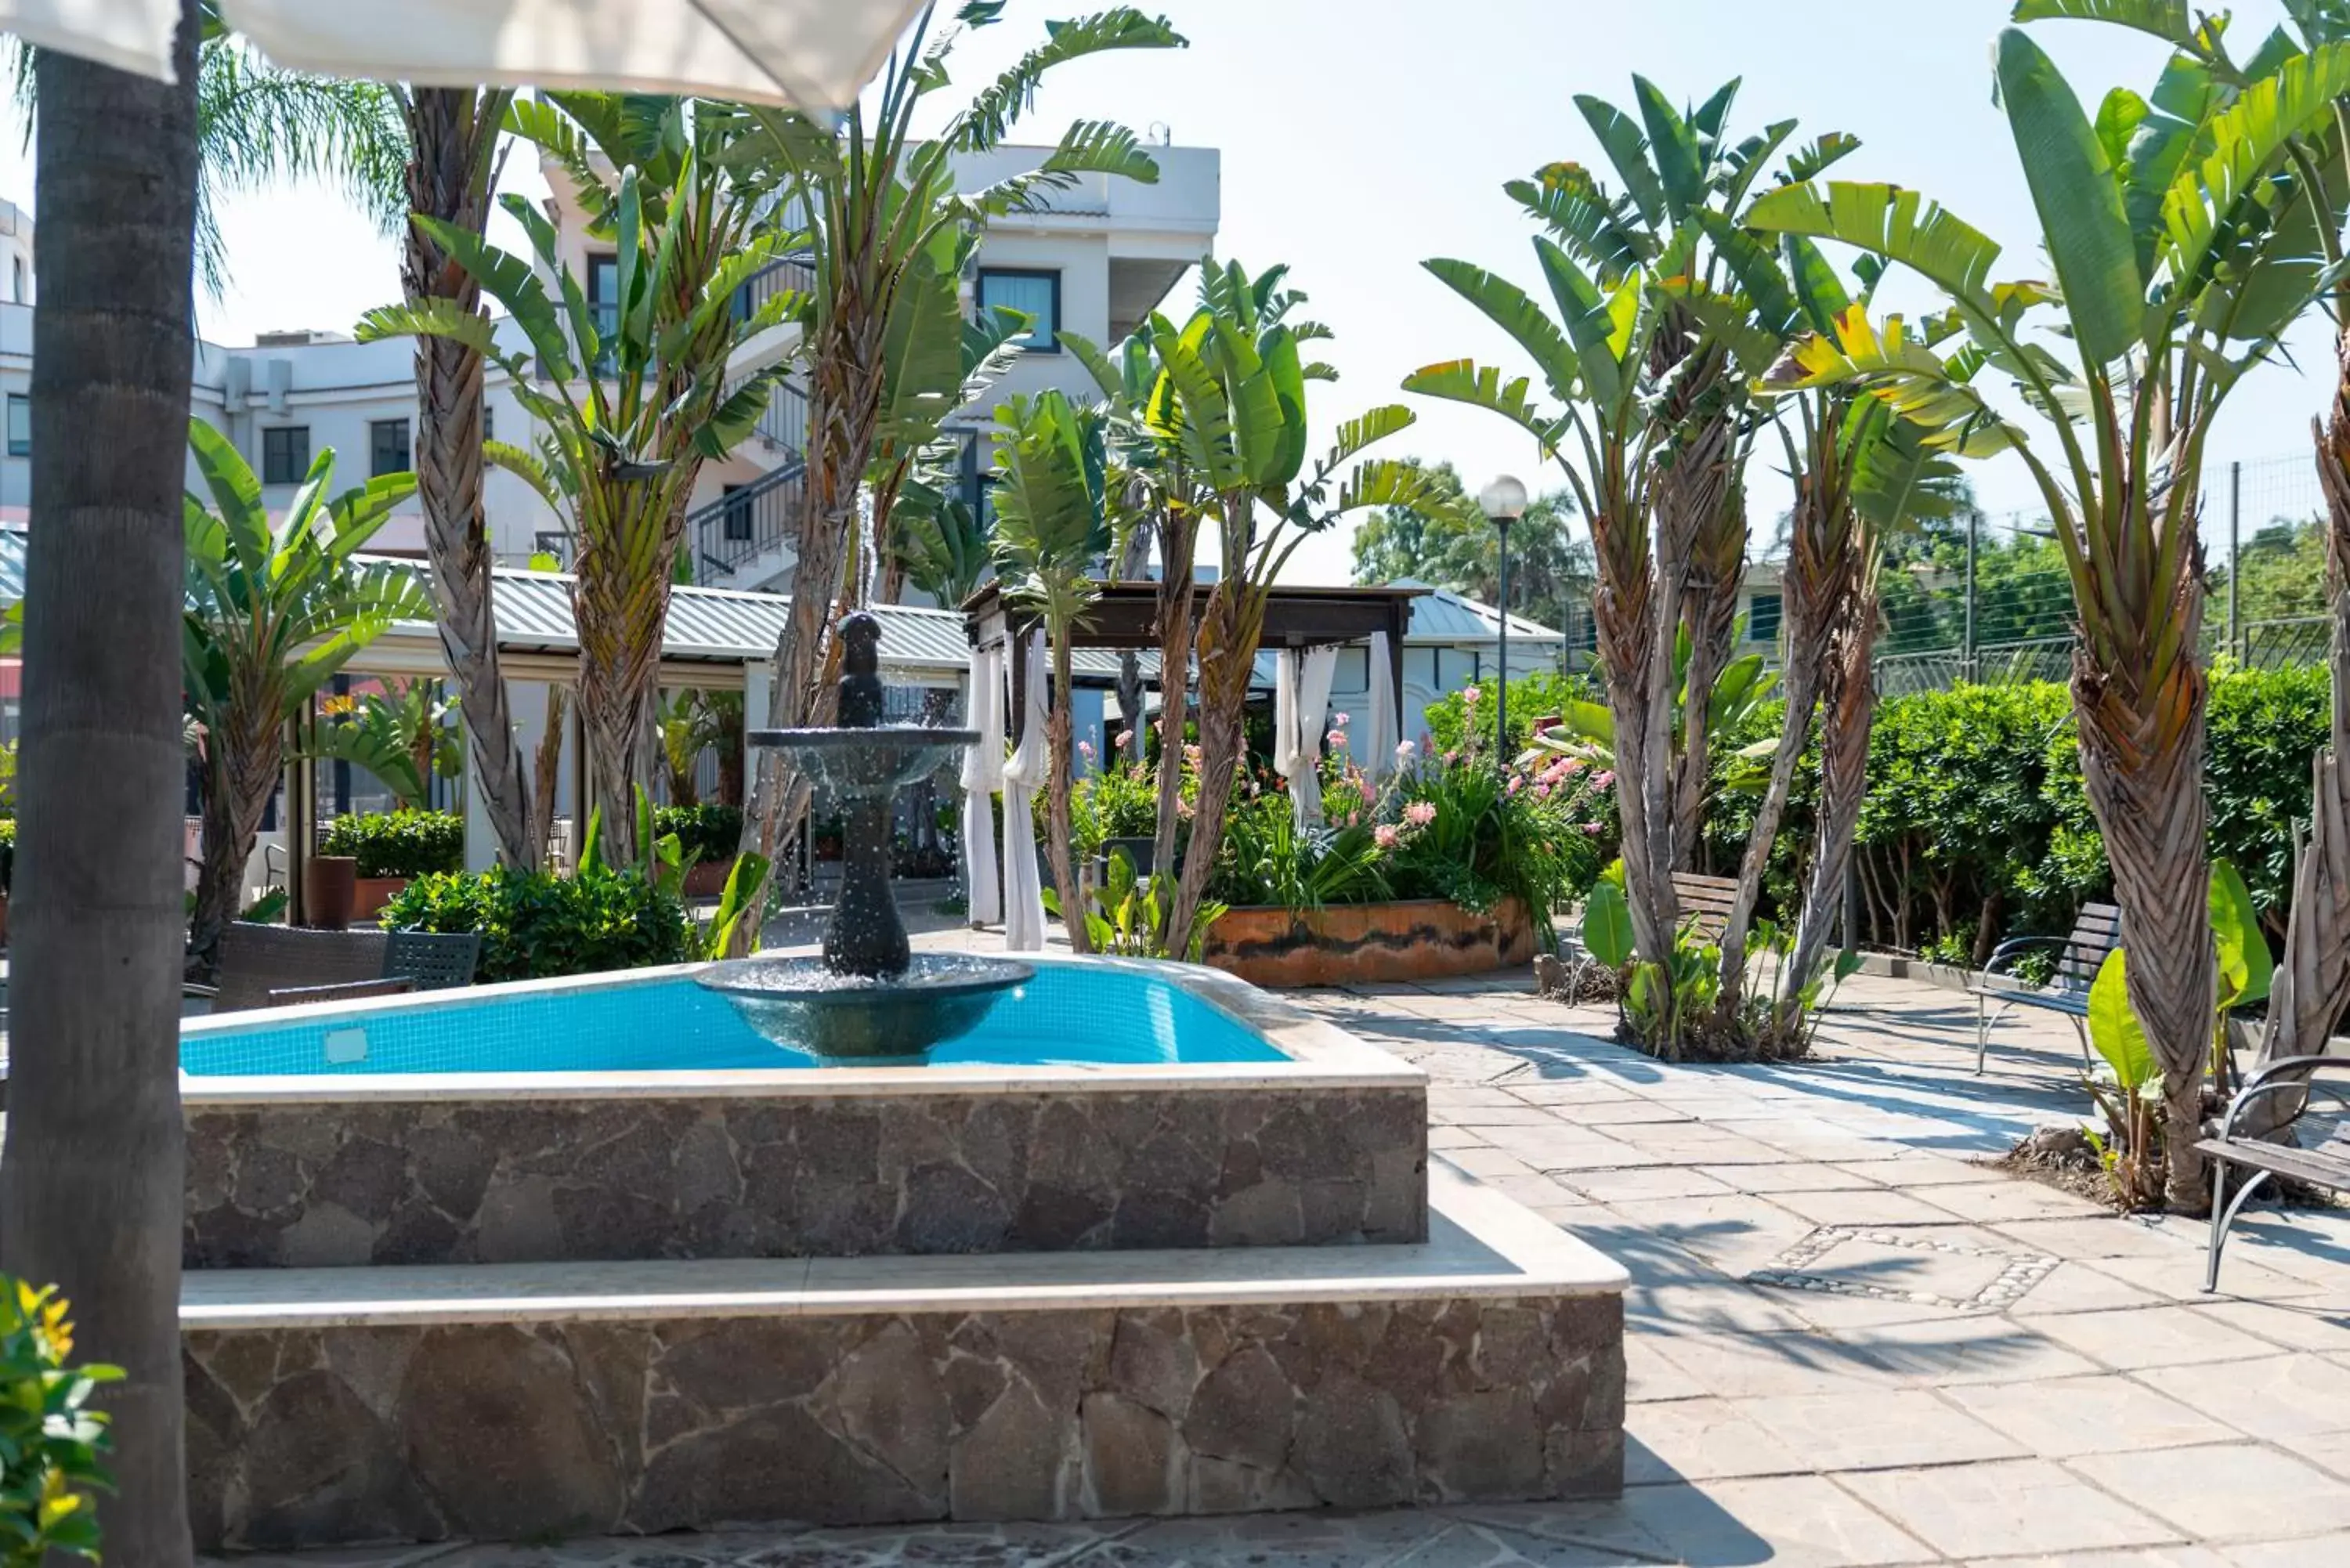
column 20, row 425
column 489, row 420
column 16, row 280
column 1762, row 615
column 554, row 546
column 1354, row 673
column 1035, row 295
column 388, row 449
column 737, row 515
column 284, row 454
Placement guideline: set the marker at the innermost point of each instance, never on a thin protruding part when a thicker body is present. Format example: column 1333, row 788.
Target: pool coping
column 1482, row 1245
column 1320, row 1056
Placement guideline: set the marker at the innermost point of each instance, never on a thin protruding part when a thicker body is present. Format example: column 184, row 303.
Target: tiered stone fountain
column 516, row 1305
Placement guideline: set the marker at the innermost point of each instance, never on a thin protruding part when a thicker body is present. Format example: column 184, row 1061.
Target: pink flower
column 1470, row 694
column 1342, row 719
column 1086, row 750
column 1338, row 738
column 1572, row 766
column 1603, row 781
column 1592, row 830
column 1419, row 813
column 1405, row 750
column 1451, row 757
column 1517, row 783
column 1542, row 791
column 1185, row 809
column 1385, row 836
column 1125, row 739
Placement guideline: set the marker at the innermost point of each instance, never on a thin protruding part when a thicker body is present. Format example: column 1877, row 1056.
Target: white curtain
column 817, row 54
column 1385, row 732
column 982, row 775
column 1024, row 883
column 1301, row 707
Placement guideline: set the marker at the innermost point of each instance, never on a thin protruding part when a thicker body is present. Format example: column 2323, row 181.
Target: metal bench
column 2079, row 955
column 2321, row 1158
column 1704, row 903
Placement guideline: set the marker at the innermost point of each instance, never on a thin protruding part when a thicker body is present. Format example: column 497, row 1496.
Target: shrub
column 49, row 1437
column 534, row 926
column 7, row 852
column 1120, row 802
column 704, row 832
column 1536, row 695
column 401, row 843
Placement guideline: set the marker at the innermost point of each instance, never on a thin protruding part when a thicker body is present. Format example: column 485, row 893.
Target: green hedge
column 533, row 926
column 704, row 832
column 400, row 842
column 1976, row 825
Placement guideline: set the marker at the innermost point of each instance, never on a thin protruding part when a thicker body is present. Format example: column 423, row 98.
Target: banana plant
column 1052, row 529
column 874, row 198
column 630, row 404
column 403, row 736
column 2177, row 265
column 275, row 611
column 1235, row 409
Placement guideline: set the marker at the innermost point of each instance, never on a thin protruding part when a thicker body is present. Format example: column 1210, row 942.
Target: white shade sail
column 814, row 53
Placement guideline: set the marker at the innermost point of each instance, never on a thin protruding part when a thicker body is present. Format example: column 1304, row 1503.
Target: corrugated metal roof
column 12, row 566
column 1445, row 616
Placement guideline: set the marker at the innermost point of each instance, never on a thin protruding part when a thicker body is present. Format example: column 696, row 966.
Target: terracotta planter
column 370, row 894
column 1344, row 944
column 707, row 878
column 328, row 884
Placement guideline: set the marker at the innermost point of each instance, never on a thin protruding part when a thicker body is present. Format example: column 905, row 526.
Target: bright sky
column 1361, row 136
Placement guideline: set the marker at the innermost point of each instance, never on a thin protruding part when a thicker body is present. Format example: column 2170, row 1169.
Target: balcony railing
column 737, row 529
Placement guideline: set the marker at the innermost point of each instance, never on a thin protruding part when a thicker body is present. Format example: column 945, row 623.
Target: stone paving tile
column 2099, row 1237
column 1795, row 1176
column 1763, row 1364
column 2306, row 1553
column 1878, row 1430
column 2074, row 1286
column 1476, row 1546
column 1703, row 1439
column 1947, row 1351
column 1989, row 1202
column 2061, row 1419
column 2232, row 1492
column 1787, row 1522
column 2181, row 1279
column 1643, row 1182
column 2152, row 1336
column 2285, row 1398
column 2007, row 1508
column 1272, row 1540
column 2135, row 1557
column 1864, row 1207
column 1915, row 1170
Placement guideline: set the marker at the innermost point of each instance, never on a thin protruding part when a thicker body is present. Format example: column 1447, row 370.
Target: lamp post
column 1504, row 500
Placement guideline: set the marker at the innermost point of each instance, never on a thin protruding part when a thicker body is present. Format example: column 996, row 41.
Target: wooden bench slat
column 2315, row 1167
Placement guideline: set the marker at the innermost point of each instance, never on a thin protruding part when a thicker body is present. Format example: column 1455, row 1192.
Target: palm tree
column 275, row 612
column 878, row 199
column 1236, row 405
column 93, row 1191
column 1052, row 527
column 452, row 136
column 2177, row 268
column 631, row 406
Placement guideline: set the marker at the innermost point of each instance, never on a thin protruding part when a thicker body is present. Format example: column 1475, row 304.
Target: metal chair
column 2321, row 1156
column 432, row 961
column 2079, row 955
column 256, row 959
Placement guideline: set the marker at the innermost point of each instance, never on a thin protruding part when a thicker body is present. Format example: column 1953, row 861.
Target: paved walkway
column 1848, row 1345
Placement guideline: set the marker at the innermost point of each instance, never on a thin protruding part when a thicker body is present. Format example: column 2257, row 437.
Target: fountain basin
column 1105, row 1105
column 800, row 1003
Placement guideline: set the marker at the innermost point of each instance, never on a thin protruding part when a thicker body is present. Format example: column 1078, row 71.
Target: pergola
column 1124, row 618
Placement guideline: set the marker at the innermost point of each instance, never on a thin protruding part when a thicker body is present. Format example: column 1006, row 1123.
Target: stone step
column 517, row 1401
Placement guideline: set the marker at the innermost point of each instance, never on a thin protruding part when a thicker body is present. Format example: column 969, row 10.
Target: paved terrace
column 1848, row 1343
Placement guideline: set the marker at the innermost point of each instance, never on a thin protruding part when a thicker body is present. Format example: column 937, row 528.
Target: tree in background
column 402, row 735
column 275, row 611
column 878, row 199
column 1454, row 545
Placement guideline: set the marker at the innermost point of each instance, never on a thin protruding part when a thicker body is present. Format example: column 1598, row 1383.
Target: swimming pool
column 1066, row 1016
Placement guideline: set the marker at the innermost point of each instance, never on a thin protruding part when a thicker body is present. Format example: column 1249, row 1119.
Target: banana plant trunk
column 845, row 383
column 1058, row 734
column 242, row 770
column 1847, row 716
column 621, row 610
column 1178, row 549
column 2142, row 744
column 2312, row 989
column 93, row 1187
column 1710, row 614
column 1227, row 658
column 452, row 136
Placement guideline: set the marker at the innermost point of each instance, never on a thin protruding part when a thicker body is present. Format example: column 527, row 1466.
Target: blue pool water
column 1066, row 1016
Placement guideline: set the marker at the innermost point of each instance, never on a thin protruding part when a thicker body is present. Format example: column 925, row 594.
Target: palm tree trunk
column 2312, row 991
column 620, row 593
column 453, row 135
column 1058, row 734
column 1710, row 613
column 93, row 1185
column 1623, row 613
column 1847, row 714
column 1227, row 657
column 2142, row 733
column 547, row 765
column 243, row 768
column 1179, row 547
